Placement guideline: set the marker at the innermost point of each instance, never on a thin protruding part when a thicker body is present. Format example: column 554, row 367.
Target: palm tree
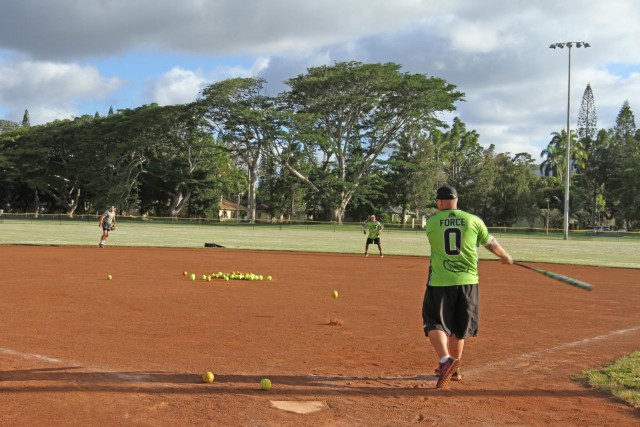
column 556, row 155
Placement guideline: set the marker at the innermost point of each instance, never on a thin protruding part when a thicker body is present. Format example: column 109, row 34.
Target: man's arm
column 499, row 251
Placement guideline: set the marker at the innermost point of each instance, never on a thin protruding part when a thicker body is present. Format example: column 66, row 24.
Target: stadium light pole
column 569, row 45
column 547, row 216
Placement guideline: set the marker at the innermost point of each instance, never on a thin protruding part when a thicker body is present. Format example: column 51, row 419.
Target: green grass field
column 596, row 251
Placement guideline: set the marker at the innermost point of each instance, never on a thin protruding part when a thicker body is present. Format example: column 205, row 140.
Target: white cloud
column 178, row 86
column 495, row 51
column 181, row 86
column 48, row 113
column 50, row 90
column 218, row 28
column 232, row 71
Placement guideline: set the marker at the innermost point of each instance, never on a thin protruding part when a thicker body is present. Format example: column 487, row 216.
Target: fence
column 526, row 232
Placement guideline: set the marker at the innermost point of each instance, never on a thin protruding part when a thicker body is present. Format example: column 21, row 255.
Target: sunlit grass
column 620, row 379
column 349, row 239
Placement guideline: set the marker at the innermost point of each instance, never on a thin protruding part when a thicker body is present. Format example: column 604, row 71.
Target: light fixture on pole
column 569, row 45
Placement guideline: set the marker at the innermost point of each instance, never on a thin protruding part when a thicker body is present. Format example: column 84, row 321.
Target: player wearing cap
column 450, row 304
column 374, row 228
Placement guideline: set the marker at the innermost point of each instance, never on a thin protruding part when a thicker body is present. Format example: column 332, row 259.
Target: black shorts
column 451, row 309
column 375, row 241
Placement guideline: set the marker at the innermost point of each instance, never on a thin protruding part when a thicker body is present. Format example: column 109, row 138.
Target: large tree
column 412, row 177
column 587, row 117
column 26, row 120
column 625, row 127
column 179, row 152
column 622, row 159
column 51, row 162
column 460, row 153
column 359, row 110
column 587, row 128
column 246, row 120
column 513, row 194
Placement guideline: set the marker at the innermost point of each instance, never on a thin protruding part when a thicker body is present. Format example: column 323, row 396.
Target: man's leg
column 455, row 350
column 448, row 364
column 439, row 342
column 456, row 346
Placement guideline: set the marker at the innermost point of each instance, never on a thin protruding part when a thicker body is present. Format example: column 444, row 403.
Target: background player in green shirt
column 374, row 228
column 450, row 304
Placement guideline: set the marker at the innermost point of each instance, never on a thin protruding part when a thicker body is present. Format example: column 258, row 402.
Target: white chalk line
column 55, row 361
column 494, row 365
column 28, row 356
column 523, row 357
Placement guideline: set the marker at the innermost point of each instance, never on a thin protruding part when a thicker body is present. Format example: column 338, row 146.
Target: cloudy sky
column 65, row 58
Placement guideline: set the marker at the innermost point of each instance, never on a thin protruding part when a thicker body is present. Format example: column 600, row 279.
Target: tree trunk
column 292, row 207
column 36, row 203
column 73, row 204
column 338, row 213
column 178, row 201
column 251, row 197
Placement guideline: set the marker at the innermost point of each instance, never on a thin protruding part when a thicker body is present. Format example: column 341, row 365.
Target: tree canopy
column 341, row 142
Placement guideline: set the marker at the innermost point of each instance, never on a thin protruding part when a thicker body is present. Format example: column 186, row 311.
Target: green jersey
column 454, row 236
column 374, row 228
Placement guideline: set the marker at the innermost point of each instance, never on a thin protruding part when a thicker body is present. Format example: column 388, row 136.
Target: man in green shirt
column 450, row 304
column 374, row 228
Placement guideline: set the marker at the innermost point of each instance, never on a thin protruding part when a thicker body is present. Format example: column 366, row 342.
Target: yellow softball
column 207, row 377
column 265, row 384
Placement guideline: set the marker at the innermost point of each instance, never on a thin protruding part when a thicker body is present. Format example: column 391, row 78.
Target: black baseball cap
column 446, row 192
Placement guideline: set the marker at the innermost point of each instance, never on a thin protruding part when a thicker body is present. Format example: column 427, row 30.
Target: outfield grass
column 620, row 379
column 611, row 252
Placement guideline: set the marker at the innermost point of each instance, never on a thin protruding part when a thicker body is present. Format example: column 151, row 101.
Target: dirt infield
column 78, row 349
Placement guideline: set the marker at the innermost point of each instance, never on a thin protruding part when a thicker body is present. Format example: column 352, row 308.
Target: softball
column 268, row 277
column 334, row 294
column 192, row 277
column 207, row 377
column 265, row 384
column 109, row 277
column 204, row 277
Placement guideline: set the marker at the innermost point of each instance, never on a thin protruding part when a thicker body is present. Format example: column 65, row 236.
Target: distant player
column 374, row 228
column 107, row 223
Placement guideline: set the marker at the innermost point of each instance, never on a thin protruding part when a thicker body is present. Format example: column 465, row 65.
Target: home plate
column 299, row 407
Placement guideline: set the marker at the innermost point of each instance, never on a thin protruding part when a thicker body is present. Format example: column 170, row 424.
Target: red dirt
column 77, row 349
